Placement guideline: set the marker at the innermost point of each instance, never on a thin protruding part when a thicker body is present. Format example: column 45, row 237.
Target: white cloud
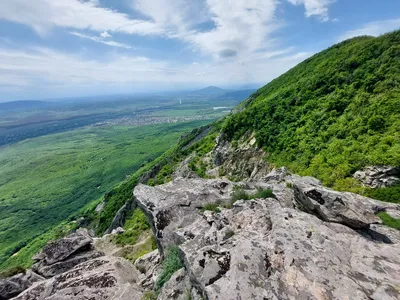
column 105, row 35
column 372, row 28
column 318, row 8
column 43, row 15
column 29, row 68
column 101, row 40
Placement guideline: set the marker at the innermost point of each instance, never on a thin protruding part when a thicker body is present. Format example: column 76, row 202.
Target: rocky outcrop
column 11, row 287
column 308, row 243
column 64, row 254
column 243, row 161
column 378, row 176
column 101, row 278
column 74, row 269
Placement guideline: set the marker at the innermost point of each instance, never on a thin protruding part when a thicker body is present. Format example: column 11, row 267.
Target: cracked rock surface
column 309, row 243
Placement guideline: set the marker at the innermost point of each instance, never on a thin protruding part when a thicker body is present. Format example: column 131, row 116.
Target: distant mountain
column 222, row 94
column 22, row 105
column 210, row 91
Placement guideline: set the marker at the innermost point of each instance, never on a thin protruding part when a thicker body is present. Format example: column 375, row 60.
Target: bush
column 389, row 194
column 171, row 264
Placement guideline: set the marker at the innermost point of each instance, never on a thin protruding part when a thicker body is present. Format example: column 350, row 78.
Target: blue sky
column 66, row 48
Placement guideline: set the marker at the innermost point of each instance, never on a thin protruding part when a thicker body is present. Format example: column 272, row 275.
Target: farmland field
column 45, row 180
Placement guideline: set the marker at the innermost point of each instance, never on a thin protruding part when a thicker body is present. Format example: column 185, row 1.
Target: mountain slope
column 332, row 114
column 210, row 91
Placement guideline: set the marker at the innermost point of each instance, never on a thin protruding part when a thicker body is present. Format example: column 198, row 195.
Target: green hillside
column 332, row 114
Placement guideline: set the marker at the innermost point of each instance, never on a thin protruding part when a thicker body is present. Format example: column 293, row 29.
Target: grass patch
column 389, row 220
column 134, row 227
column 149, row 295
column 240, row 194
column 211, row 207
column 171, row 264
column 12, row 271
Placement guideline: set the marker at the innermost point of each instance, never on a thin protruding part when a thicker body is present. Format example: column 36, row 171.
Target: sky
column 68, row 48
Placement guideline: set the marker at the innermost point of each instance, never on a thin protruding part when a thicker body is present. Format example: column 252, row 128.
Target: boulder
column 120, row 217
column 14, row 285
column 61, row 249
column 378, row 176
column 346, row 208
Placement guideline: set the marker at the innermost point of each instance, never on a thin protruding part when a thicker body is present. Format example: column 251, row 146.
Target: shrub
column 149, row 295
column 171, row 264
column 134, row 226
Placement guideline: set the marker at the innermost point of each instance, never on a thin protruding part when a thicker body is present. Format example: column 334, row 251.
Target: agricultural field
column 46, row 180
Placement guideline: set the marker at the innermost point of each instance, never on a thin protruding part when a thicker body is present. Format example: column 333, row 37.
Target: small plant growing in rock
column 289, row 185
column 263, row 194
column 212, row 207
column 228, row 234
column 171, row 264
column 149, row 295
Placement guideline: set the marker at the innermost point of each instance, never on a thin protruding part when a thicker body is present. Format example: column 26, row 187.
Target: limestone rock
column 378, row 176
column 261, row 249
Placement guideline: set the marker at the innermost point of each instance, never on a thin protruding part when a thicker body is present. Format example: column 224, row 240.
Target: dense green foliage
column 170, row 265
column 49, row 179
column 389, row 194
column 331, row 115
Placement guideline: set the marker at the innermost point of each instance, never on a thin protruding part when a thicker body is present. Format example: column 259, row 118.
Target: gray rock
column 276, row 175
column 118, row 230
column 176, row 204
column 349, row 209
column 245, row 161
column 178, row 287
column 149, row 266
column 272, row 251
column 102, row 278
column 378, row 176
column 14, row 285
column 48, row 271
column 61, row 249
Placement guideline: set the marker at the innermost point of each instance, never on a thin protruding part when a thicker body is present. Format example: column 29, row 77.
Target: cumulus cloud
column 372, row 28
column 43, row 15
column 105, row 35
column 318, row 8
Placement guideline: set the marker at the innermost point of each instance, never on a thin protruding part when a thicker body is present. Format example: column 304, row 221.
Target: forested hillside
column 332, row 114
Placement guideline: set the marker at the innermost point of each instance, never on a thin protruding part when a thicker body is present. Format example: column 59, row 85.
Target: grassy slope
column 46, row 180
column 332, row 114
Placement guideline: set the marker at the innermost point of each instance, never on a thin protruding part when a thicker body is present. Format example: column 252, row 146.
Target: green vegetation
column 53, row 178
column 149, row 295
column 332, row 114
column 389, row 194
column 171, row 264
column 12, row 271
column 389, row 221
column 240, row 194
column 211, row 207
column 134, row 227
